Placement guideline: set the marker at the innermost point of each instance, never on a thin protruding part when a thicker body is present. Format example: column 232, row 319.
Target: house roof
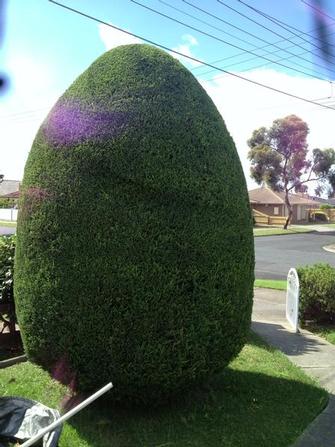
column 328, row 201
column 9, row 187
column 267, row 196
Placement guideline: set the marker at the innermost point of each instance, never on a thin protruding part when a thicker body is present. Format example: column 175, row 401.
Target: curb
column 13, row 361
column 330, row 248
column 321, row 432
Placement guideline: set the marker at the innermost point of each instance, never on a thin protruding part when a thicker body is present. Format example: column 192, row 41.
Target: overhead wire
column 224, row 41
column 205, row 23
column 194, row 59
column 268, row 29
column 284, row 39
column 258, row 48
column 318, row 10
column 283, row 25
column 247, row 42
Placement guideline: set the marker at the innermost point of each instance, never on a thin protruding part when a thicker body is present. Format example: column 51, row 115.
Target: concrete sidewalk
column 311, row 353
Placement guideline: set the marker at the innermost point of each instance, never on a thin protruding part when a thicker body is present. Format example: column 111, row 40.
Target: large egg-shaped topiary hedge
column 134, row 254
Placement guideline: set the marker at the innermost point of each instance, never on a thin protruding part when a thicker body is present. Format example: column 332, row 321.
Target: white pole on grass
column 67, row 415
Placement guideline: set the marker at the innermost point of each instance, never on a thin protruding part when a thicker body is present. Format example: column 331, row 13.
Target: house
column 272, row 203
column 10, row 189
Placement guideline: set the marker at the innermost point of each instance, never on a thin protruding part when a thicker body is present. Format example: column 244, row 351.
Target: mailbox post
column 292, row 299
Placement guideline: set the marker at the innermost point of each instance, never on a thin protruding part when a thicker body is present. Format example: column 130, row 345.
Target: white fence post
column 9, row 214
column 292, row 299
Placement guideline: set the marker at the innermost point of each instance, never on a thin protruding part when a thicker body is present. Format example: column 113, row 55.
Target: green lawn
column 271, row 284
column 331, row 226
column 253, row 403
column 271, row 231
column 7, row 223
column 324, row 331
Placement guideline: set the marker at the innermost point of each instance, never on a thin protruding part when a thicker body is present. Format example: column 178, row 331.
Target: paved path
column 310, row 352
column 275, row 255
column 7, row 230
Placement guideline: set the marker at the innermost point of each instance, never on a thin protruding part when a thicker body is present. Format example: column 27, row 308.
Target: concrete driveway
column 275, row 255
column 7, row 230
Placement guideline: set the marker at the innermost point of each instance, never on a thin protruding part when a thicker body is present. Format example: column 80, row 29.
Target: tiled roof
column 267, row 196
column 264, row 195
column 8, row 187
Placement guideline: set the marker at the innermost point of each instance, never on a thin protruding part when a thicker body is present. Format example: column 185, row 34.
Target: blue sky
column 46, row 47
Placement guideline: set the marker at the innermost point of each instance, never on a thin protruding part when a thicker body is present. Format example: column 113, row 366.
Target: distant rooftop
column 268, row 196
column 9, row 187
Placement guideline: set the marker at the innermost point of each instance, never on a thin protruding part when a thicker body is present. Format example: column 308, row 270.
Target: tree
column 159, row 296
column 279, row 157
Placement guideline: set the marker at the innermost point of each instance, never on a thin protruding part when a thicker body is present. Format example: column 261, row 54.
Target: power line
column 222, row 40
column 24, row 113
column 283, row 25
column 265, row 27
column 318, row 10
column 284, row 39
column 245, row 41
column 164, row 47
column 205, row 23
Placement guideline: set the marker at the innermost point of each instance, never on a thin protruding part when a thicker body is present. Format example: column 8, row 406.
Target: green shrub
column 326, row 206
column 7, row 203
column 7, row 251
column 135, row 252
column 317, row 292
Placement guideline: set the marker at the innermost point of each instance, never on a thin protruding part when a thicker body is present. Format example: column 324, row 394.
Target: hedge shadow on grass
column 289, row 343
column 234, row 409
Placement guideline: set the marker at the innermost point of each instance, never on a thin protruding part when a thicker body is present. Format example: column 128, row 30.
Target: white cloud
column 190, row 39
column 32, row 93
column 188, row 42
column 245, row 107
column 112, row 37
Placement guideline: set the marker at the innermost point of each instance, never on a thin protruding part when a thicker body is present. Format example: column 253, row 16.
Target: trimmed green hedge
column 135, row 259
column 317, row 293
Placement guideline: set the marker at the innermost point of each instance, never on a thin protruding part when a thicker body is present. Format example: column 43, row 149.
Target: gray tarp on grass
column 21, row 419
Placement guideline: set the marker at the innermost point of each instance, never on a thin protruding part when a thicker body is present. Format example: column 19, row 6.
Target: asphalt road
column 275, row 255
column 7, row 230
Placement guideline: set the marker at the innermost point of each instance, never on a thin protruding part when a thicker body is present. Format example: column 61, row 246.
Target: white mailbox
column 292, row 299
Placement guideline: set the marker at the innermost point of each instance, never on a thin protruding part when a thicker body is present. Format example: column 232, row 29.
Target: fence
column 9, row 214
column 265, row 219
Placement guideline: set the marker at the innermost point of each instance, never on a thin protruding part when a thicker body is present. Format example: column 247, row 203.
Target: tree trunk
column 290, row 210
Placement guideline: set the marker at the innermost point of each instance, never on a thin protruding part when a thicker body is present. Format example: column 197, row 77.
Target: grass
column 272, row 231
column 7, row 223
column 325, row 331
column 252, row 403
column 331, row 225
column 278, row 284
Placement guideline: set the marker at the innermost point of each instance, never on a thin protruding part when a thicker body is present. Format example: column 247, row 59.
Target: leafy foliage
column 317, row 293
column 326, row 206
column 7, row 203
column 7, row 252
column 278, row 154
column 135, row 251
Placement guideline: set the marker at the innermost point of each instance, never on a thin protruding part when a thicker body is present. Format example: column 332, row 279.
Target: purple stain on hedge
column 37, row 193
column 33, row 196
column 63, row 373
column 72, row 123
